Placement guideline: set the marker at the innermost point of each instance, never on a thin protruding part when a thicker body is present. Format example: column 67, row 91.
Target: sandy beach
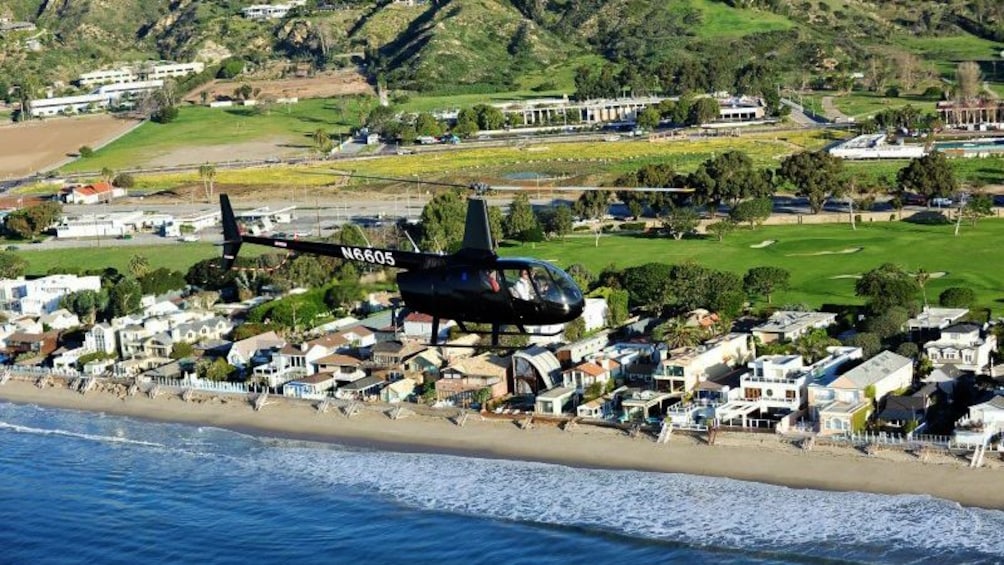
column 753, row 457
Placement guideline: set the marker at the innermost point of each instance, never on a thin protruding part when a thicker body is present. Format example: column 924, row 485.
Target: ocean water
column 89, row 488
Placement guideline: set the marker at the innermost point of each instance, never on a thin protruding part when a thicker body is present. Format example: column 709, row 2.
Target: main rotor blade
column 594, row 188
column 394, row 179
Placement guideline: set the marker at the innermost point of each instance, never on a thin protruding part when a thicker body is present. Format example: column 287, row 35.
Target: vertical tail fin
column 231, row 233
column 477, row 229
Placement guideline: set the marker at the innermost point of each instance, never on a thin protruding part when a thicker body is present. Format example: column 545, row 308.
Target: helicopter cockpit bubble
column 544, row 284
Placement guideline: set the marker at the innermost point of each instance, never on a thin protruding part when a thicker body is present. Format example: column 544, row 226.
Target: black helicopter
column 473, row 285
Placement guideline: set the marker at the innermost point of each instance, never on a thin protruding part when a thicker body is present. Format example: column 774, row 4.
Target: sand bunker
column 840, row 252
column 764, row 243
column 934, row 275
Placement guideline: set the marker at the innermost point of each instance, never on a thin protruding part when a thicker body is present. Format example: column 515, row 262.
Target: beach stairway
column 133, row 390
column 260, row 401
column 400, row 412
column 665, row 433
column 352, row 409
column 154, row 391
column 461, row 419
column 86, row 384
column 42, row 381
column 188, row 394
column 324, row 405
column 4, row 377
column 571, row 425
column 978, row 454
column 527, row 423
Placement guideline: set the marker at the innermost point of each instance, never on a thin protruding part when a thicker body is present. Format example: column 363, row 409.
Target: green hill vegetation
column 451, row 46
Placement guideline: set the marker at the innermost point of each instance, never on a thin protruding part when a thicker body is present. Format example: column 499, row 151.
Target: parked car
column 941, row 202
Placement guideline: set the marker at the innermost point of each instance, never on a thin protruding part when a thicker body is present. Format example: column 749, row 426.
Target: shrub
column 957, row 297
column 124, row 180
column 892, row 92
column 908, row 349
column 633, row 226
column 86, row 151
column 933, row 92
column 231, row 68
column 165, row 115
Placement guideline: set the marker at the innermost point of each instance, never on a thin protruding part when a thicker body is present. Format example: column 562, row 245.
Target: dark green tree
column 703, row 110
column 681, row 221
column 978, row 206
column 649, row 118
column 648, row 285
column 888, row 323
column 181, row 350
column 870, row 344
column 816, row 175
column 582, row 276
column 575, row 330
column 592, row 204
column 764, row 281
column 85, row 304
column 886, row 287
column 755, row 211
column 931, row 175
column 520, row 222
column 721, row 229
column 124, row 297
column 427, row 124
column 442, row 221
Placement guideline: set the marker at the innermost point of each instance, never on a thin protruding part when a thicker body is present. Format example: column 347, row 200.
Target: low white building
column 785, row 325
column 100, row 225
column 271, row 11
column 42, row 296
column 963, row 346
column 140, row 73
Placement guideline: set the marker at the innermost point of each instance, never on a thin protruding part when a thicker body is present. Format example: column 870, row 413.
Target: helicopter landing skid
column 497, row 331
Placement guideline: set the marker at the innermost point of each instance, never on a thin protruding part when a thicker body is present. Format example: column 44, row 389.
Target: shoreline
column 749, row 457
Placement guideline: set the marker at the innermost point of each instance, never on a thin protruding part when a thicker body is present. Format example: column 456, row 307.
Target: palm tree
column 677, row 333
column 922, row 277
column 139, row 266
column 207, row 173
column 322, row 141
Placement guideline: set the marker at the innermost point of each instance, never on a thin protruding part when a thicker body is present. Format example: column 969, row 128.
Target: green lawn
column 983, row 171
column 721, row 20
column 972, row 259
column 947, row 51
column 176, row 257
column 863, row 104
column 198, row 126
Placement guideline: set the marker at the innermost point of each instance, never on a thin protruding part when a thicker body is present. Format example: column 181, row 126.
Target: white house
column 983, row 422
column 841, row 403
column 586, row 374
column 242, row 352
column 775, row 381
column 963, row 346
column 311, row 386
column 785, row 325
column 686, row 367
column 61, row 319
column 102, row 338
column 42, row 296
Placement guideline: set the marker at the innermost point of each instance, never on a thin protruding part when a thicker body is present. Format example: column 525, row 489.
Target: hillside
column 491, row 45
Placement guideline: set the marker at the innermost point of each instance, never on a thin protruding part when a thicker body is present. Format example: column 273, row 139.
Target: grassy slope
column 972, row 259
column 175, row 257
column 200, row 126
column 721, row 20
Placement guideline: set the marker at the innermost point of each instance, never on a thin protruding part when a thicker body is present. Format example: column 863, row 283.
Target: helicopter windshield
column 540, row 281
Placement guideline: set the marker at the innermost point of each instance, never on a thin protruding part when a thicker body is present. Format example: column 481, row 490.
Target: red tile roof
column 418, row 317
column 94, row 189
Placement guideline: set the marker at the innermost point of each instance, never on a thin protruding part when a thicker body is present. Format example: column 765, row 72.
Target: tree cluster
column 29, row 222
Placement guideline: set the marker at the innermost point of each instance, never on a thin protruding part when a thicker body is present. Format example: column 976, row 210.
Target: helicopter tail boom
column 231, row 233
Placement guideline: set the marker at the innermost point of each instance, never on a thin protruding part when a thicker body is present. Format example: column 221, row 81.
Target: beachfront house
column 903, row 413
column 577, row 351
column 644, row 405
column 982, row 422
column 785, row 325
column 603, row 408
column 556, row 402
column 31, row 348
column 61, row 319
column 461, row 381
column 199, row 330
column 588, row 374
column 345, row 368
column 393, row 354
column 316, row 386
column 688, row 366
column 397, row 391
column 243, row 354
column 419, row 326
column 534, row 369
column 842, row 403
column 963, row 346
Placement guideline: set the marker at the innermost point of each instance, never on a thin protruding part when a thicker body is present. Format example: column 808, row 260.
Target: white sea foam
column 685, row 508
column 119, row 436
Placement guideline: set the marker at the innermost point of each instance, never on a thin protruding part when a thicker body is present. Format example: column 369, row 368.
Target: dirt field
column 250, row 150
column 334, row 83
column 31, row 146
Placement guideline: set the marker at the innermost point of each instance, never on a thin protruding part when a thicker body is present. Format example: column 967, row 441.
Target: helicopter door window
column 490, row 279
column 521, row 284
